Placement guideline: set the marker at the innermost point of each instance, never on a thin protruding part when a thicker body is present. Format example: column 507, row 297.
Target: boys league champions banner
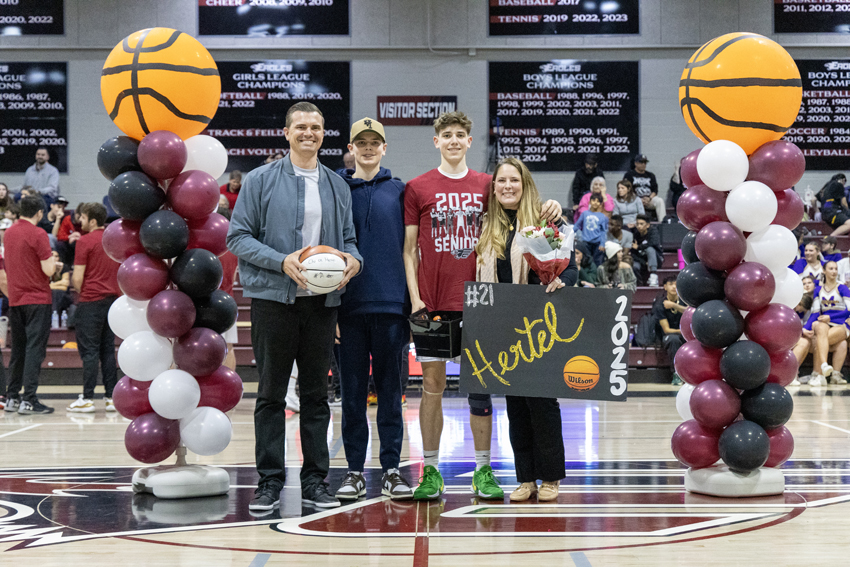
column 519, row 340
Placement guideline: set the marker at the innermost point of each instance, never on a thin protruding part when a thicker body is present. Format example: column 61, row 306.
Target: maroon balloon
column 685, row 324
column 778, row 164
column 171, row 313
column 696, row 363
column 776, row 327
column 720, row 245
column 141, row 277
column 193, row 194
column 151, row 438
column 790, row 209
column 749, row 286
column 700, row 205
column 221, row 390
column 688, row 170
column 781, row 446
column 131, row 397
column 715, row 404
column 209, row 233
column 162, row 154
column 200, row 351
column 121, row 239
column 783, row 367
column 695, row 445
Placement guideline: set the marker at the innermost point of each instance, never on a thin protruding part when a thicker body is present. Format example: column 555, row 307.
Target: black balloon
column 164, row 234
column 217, row 312
column 197, row 272
column 745, row 365
column 689, row 251
column 717, row 324
column 135, row 196
column 696, row 284
column 118, row 155
column 744, row 446
column 770, row 405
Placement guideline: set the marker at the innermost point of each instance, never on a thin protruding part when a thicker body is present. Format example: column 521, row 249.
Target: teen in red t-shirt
column 232, row 187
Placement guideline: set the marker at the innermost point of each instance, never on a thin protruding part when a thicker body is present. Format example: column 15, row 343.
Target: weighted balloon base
column 181, row 481
column 720, row 481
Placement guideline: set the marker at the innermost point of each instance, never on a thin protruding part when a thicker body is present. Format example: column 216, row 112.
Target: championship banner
column 32, row 17
column 272, row 18
column 563, row 17
column 519, row 340
column 413, row 110
column 808, row 16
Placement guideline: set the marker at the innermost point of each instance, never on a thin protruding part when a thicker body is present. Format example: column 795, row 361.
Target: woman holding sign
column 535, row 423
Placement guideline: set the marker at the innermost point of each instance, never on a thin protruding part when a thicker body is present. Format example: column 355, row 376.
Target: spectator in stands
column 616, row 272
column 597, row 187
column 829, row 249
column 828, row 324
column 583, row 179
column 667, row 309
column 593, row 225
column 809, row 264
column 60, row 284
column 834, row 205
column 5, row 197
column 348, row 161
column 586, row 268
column 809, row 286
column 4, row 224
column 231, row 189
column 53, row 219
column 627, row 204
column 646, row 187
column 68, row 234
column 646, row 251
column 229, row 263
column 12, row 212
column 96, row 280
column 844, row 270
column 29, row 265
column 616, row 233
column 677, row 187
column 43, row 177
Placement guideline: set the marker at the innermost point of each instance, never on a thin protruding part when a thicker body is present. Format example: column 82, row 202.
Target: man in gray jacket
column 284, row 208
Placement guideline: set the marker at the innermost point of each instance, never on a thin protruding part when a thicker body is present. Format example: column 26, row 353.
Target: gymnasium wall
column 414, row 47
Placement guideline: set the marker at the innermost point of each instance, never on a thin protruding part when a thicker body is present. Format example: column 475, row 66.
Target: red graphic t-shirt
column 25, row 246
column 449, row 213
column 101, row 276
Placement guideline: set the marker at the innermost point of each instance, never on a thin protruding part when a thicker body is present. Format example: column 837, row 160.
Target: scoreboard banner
column 33, row 114
column 272, row 18
column 563, row 17
column 255, row 96
column 808, row 16
column 550, row 114
column 32, row 17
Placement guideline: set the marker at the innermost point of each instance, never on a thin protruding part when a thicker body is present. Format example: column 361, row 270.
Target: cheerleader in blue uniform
column 828, row 323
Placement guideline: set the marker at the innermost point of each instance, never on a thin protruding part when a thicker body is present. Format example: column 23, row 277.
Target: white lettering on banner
column 619, row 336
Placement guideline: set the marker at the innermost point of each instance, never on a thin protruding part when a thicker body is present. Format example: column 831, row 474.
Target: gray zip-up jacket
column 266, row 227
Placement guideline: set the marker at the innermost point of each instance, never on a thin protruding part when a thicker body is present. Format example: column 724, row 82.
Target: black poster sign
column 519, row 340
column 806, row 16
column 32, row 17
column 255, row 96
column 822, row 128
column 551, row 114
column 564, row 17
column 33, row 114
column 272, row 18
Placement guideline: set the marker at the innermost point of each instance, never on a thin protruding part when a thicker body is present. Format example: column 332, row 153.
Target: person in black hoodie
column 373, row 316
column 583, row 179
column 646, row 251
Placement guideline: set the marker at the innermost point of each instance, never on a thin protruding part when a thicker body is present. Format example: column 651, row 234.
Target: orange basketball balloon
column 741, row 87
column 581, row 373
column 160, row 79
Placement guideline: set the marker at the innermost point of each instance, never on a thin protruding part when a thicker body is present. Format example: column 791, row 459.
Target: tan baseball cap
column 367, row 125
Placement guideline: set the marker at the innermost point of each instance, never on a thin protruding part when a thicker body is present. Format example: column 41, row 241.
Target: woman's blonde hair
column 496, row 224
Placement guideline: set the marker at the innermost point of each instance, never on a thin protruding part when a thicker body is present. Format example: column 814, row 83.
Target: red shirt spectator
column 25, row 247
column 229, row 262
column 68, row 226
column 100, row 278
column 232, row 187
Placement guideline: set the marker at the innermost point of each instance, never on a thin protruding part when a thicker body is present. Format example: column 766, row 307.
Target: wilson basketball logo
column 581, row 373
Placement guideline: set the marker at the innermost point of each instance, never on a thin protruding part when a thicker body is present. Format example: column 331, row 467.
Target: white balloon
column 145, row 355
column 174, row 394
column 775, row 247
column 205, row 153
column 751, row 206
column 723, row 165
column 206, row 431
column 683, row 401
column 789, row 289
column 126, row 317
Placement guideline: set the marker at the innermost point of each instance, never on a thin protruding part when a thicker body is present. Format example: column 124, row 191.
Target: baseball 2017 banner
column 413, row 110
column 519, row 340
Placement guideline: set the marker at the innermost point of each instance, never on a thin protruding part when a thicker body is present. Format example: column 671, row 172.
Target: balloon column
column 163, row 185
column 739, row 93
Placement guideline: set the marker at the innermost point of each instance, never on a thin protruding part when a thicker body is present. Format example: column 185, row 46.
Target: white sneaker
column 353, row 486
column 795, row 381
column 653, row 280
column 292, row 403
column 804, row 380
column 81, row 405
column 110, row 405
column 837, row 378
column 817, row 380
column 826, row 369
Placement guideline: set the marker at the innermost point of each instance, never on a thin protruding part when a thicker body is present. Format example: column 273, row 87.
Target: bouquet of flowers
column 547, row 249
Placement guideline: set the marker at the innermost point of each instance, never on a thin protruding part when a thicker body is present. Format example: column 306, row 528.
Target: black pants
column 281, row 334
column 96, row 343
column 672, row 342
column 536, row 438
column 30, row 326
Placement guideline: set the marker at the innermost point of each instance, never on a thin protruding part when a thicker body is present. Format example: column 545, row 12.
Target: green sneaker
column 677, row 380
column 485, row 484
column 431, row 485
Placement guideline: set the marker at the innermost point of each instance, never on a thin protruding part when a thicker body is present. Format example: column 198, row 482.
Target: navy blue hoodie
column 378, row 209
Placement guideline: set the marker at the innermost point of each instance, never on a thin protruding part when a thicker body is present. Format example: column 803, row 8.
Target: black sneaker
column 395, row 486
column 353, row 486
column 319, row 496
column 33, row 407
column 265, row 498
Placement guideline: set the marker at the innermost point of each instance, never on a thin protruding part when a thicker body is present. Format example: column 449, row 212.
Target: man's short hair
column 447, row 119
column 38, row 149
column 643, row 218
column 30, row 205
column 806, row 301
column 94, row 211
column 236, row 174
column 596, row 197
column 616, row 218
column 302, row 107
column 669, row 279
